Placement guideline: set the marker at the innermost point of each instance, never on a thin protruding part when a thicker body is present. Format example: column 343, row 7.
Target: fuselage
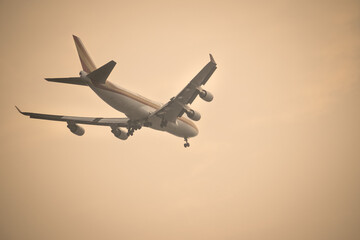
column 137, row 107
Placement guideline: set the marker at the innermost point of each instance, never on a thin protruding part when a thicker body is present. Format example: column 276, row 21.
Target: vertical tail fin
column 86, row 62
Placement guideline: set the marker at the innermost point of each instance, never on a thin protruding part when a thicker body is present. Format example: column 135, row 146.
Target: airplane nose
column 189, row 129
column 194, row 132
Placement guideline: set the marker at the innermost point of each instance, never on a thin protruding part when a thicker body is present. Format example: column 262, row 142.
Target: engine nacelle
column 194, row 115
column 121, row 134
column 76, row 129
column 206, row 96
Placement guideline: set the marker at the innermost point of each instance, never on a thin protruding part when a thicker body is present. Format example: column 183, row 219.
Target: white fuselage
column 137, row 107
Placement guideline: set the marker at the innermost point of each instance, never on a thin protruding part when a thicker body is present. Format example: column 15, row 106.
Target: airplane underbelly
column 178, row 128
column 130, row 107
column 134, row 110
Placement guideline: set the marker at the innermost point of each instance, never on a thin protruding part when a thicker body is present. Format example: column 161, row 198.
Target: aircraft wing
column 112, row 122
column 177, row 105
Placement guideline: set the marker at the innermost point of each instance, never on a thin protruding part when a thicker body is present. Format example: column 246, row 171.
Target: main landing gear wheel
column 130, row 132
column 186, row 144
column 133, row 126
column 163, row 123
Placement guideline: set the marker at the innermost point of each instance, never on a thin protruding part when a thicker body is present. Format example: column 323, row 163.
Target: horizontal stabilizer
column 71, row 80
column 102, row 73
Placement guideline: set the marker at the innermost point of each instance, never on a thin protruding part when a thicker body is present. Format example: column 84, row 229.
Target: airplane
column 140, row 111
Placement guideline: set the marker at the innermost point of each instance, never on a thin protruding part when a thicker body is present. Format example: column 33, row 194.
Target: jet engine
column 121, row 134
column 194, row 115
column 206, row 96
column 76, row 129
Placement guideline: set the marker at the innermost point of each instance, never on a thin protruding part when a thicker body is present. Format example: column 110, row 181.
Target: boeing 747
column 140, row 111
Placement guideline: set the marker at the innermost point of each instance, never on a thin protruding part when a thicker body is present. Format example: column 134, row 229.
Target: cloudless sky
column 278, row 153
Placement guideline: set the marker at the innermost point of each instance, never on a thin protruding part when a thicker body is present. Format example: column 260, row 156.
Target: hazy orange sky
column 278, row 154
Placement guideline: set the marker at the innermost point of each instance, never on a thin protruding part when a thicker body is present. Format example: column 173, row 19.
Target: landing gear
column 130, row 131
column 132, row 127
column 186, row 144
column 163, row 123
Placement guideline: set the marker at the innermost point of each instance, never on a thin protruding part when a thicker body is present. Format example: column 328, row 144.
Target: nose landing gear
column 186, row 144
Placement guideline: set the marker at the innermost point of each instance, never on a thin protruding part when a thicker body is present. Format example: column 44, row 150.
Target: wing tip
column 77, row 40
column 212, row 58
column 19, row 110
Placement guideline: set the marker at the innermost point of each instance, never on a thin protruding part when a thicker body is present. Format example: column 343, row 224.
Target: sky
column 278, row 153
